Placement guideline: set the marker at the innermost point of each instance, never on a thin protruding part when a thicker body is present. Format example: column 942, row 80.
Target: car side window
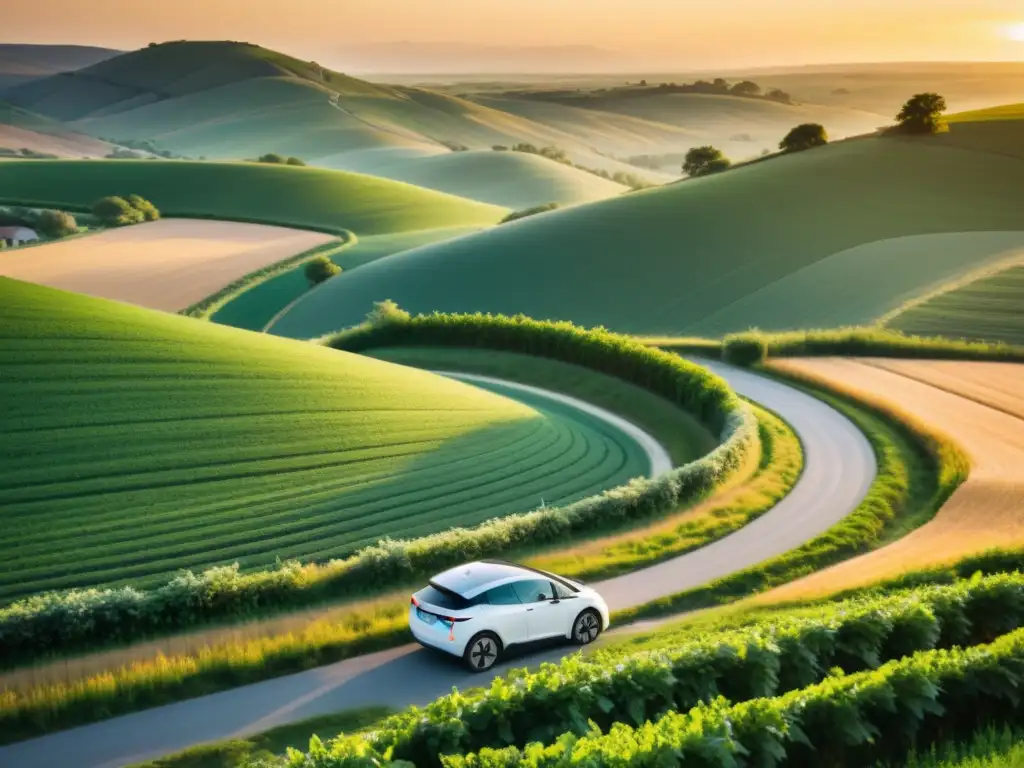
column 562, row 592
column 533, row 590
column 503, row 595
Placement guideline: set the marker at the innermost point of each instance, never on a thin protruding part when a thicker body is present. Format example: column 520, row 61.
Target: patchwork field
column 138, row 443
column 168, row 264
column 257, row 307
column 981, row 407
column 698, row 257
column 988, row 308
column 273, row 194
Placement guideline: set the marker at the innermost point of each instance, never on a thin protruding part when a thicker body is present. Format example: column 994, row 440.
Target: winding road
column 839, row 467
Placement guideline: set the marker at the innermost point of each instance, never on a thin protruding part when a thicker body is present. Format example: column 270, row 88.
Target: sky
column 646, row 33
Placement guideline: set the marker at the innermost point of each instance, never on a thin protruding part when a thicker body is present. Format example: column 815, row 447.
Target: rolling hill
column 20, row 129
column 693, row 258
column 20, row 63
column 137, row 443
column 273, row 194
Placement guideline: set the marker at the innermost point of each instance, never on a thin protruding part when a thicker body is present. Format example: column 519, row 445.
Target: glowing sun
column 1015, row 32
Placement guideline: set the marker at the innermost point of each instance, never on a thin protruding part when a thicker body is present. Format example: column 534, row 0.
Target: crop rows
column 186, row 445
column 764, row 659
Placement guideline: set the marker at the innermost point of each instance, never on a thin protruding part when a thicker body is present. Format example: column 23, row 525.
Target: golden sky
column 684, row 33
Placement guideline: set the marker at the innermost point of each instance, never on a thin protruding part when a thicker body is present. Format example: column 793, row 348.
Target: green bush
column 142, row 205
column 515, row 215
column 320, row 268
column 295, row 161
column 705, row 161
column 846, row 720
column 116, row 212
column 56, row 224
column 79, row 619
column 271, row 157
column 804, row 137
column 765, row 659
column 744, row 350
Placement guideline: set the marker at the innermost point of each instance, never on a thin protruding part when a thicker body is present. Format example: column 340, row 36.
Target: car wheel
column 482, row 652
column 586, row 628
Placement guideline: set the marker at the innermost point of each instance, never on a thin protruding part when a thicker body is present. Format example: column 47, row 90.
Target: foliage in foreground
column 846, row 720
column 988, row 748
column 765, row 659
column 80, row 619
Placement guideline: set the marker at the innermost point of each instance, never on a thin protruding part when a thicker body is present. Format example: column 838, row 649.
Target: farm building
column 17, row 235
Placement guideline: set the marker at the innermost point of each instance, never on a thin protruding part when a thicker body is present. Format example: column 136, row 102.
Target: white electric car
column 477, row 611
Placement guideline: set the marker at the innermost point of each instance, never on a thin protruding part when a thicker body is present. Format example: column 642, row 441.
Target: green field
column 694, row 258
column 998, row 130
column 988, row 308
column 510, row 179
column 138, row 443
column 255, row 308
column 274, row 194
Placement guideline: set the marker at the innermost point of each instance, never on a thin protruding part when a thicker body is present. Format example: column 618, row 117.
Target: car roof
column 473, row 578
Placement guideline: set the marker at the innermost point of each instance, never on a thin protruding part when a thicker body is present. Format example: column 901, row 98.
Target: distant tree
column 385, row 313
column 500, row 148
column 922, row 114
column 142, row 205
column 777, row 94
column 746, row 88
column 643, row 83
column 115, row 211
column 805, row 136
column 704, row 161
column 320, row 268
column 720, row 84
column 294, row 161
column 56, row 223
column 271, row 157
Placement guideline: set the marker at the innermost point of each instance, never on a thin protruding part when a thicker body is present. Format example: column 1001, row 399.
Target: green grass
column 989, row 748
column 999, row 130
column 243, row 447
column 235, row 753
column 509, row 179
column 987, row 308
column 695, row 258
column 257, row 306
column 308, row 198
column 681, row 434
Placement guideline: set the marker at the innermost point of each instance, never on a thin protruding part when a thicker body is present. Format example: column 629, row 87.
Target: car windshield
column 442, row 598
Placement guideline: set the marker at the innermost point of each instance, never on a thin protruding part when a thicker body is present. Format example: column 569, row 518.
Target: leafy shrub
column 56, row 223
column 850, row 720
column 744, row 350
column 803, row 137
column 271, row 157
column 78, row 619
column 147, row 209
column 705, row 161
column 320, row 268
column 768, row 658
column 116, row 212
column 294, row 161
column 515, row 215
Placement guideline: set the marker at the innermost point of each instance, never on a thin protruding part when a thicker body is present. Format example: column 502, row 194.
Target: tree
column 320, row 268
column 720, row 84
column 294, row 161
column 704, row 161
column 56, row 223
column 922, row 114
column 746, row 88
column 271, row 157
column 805, row 136
column 142, row 205
column 115, row 211
column 643, row 83
column 777, row 94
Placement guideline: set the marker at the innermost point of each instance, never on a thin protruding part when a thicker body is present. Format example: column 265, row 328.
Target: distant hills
column 20, row 63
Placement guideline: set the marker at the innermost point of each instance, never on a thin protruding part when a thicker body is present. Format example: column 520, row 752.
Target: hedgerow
column 765, row 659
column 80, row 619
column 846, row 720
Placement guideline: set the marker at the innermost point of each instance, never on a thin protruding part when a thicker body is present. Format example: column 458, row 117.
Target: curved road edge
column 839, row 467
column 657, row 456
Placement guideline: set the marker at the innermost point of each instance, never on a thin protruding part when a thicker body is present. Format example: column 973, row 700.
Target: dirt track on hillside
column 166, row 265
column 978, row 405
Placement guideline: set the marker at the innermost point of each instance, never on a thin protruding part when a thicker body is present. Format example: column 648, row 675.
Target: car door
column 547, row 612
column 504, row 613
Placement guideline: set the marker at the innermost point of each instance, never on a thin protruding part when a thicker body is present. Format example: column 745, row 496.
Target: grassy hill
column 301, row 197
column 999, row 130
column 677, row 259
column 20, row 129
column 20, row 63
column 510, row 179
column 988, row 308
column 137, row 443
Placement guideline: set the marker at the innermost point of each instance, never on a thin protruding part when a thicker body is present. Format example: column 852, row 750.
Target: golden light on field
column 1016, row 32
